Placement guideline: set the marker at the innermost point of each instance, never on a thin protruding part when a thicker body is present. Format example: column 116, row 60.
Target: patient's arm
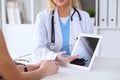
column 7, row 67
column 9, row 71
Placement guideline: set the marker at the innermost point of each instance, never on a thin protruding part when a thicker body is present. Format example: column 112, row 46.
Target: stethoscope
column 52, row 45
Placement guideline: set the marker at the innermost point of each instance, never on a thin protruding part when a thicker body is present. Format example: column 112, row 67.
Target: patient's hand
column 49, row 67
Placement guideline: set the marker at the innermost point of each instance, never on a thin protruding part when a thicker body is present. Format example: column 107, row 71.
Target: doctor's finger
column 71, row 58
column 62, row 52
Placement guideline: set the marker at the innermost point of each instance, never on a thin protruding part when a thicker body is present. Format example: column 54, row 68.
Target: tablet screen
column 85, row 47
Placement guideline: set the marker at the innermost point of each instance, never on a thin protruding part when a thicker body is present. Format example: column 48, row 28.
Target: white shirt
column 64, row 20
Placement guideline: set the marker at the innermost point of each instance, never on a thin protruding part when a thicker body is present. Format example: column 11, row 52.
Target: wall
column 110, row 46
column 38, row 6
column 86, row 4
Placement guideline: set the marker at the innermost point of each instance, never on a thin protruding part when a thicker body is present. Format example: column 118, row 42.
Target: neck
column 63, row 11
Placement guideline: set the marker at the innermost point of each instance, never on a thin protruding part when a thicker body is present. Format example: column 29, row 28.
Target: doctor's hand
column 65, row 59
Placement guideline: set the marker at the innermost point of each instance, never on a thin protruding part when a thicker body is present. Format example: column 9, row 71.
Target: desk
column 102, row 69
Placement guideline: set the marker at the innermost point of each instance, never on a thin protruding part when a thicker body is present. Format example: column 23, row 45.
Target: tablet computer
column 86, row 47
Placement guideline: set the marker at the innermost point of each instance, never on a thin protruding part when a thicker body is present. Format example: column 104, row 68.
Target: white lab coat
column 43, row 33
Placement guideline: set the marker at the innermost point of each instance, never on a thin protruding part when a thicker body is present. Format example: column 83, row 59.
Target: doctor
column 58, row 28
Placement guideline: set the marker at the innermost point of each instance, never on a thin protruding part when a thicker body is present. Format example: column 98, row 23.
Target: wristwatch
column 25, row 68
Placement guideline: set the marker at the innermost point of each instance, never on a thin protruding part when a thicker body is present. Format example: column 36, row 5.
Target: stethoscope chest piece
column 52, row 46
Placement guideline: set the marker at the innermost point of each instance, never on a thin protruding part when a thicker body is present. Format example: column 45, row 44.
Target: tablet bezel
column 94, row 54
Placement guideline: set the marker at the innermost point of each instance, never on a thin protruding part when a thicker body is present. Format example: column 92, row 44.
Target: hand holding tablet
column 86, row 47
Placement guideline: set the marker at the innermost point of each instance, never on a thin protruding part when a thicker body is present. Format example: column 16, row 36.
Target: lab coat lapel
column 75, row 29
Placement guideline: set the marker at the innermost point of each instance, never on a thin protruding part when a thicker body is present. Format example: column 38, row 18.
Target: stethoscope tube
column 52, row 30
column 77, row 13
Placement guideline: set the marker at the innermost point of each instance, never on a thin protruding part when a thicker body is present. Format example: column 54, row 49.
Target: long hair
column 52, row 6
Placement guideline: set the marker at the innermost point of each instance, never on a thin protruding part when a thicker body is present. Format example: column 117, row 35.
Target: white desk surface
column 102, row 69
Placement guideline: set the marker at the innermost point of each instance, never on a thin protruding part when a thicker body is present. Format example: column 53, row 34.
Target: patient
column 9, row 71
